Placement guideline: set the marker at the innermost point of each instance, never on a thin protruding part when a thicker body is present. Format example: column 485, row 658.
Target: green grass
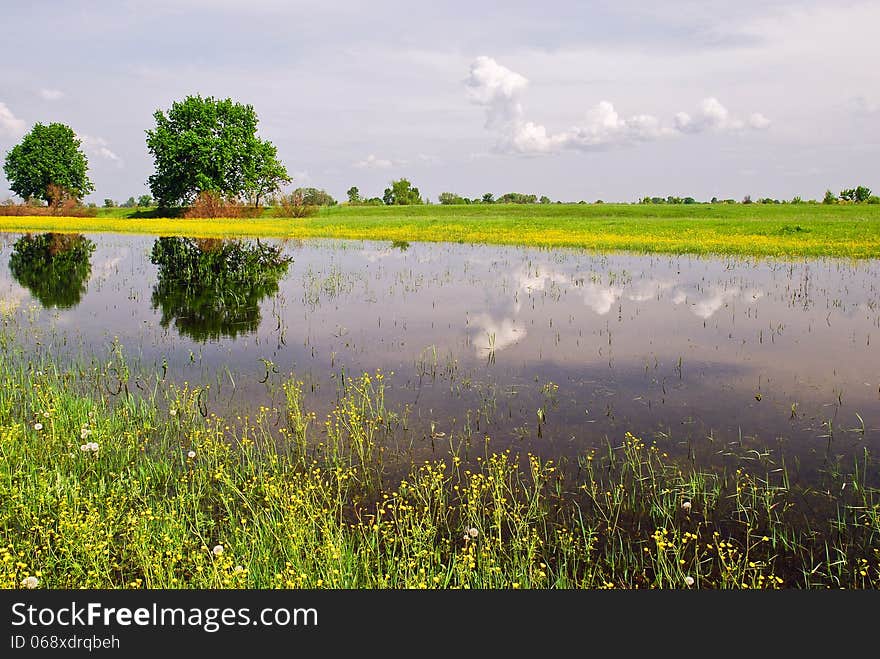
column 175, row 497
column 788, row 230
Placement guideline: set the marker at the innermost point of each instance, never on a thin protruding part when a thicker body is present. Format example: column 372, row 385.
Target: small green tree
column 109, row 203
column 315, row 197
column 488, row 198
column 402, row 193
column 354, row 195
column 450, row 198
column 144, row 201
column 829, row 198
column 46, row 156
column 862, row 194
column 517, row 198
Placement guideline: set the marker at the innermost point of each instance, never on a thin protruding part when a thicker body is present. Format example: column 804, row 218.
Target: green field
column 849, row 231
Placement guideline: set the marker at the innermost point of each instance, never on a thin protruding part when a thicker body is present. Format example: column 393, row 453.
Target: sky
column 579, row 100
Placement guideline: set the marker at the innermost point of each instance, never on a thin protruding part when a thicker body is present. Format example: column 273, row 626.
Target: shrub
column 210, row 203
column 62, row 203
column 294, row 205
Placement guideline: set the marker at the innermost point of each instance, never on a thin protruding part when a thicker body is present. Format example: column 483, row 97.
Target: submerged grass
column 849, row 231
column 151, row 491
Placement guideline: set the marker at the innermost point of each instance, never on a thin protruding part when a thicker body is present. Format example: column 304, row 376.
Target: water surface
column 553, row 352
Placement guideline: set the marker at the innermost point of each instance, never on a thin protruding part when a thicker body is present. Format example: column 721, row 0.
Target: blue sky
column 575, row 100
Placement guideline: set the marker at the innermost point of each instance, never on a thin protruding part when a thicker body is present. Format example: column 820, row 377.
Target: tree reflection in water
column 54, row 267
column 211, row 288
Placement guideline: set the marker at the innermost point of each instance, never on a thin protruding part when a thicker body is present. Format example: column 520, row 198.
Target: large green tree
column 48, row 156
column 208, row 144
column 211, row 288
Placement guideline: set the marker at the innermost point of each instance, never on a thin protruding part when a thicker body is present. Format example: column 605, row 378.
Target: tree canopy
column 315, row 197
column 48, row 156
column 207, row 144
column 517, row 198
column 211, row 288
column 402, row 193
column 54, row 267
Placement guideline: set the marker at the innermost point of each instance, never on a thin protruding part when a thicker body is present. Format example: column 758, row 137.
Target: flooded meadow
column 557, row 353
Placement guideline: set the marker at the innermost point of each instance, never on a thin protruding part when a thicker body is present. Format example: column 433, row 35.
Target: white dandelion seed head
column 85, row 432
column 172, row 412
column 93, row 446
column 238, row 569
column 472, row 532
column 30, row 582
column 191, row 455
column 686, row 506
column 38, row 426
column 46, row 415
column 689, row 581
column 84, row 448
column 217, row 550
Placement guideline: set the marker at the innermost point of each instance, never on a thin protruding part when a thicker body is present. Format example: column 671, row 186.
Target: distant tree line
column 858, row 195
column 450, row 198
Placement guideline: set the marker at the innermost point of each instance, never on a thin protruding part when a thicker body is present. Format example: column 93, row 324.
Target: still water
column 553, row 352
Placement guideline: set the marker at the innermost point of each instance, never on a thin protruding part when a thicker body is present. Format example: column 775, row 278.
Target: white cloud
column 10, row 125
column 649, row 289
column 496, row 335
column 758, row 121
column 51, row 94
column 597, row 297
column 863, row 106
column 11, row 296
column 498, row 90
column 716, row 299
column 600, row 298
column 98, row 146
column 372, row 162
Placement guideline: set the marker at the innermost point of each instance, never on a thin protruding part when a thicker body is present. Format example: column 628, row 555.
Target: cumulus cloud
column 499, row 91
column 495, row 335
column 706, row 306
column 597, row 297
column 649, row 289
column 600, row 298
column 497, row 88
column 98, row 146
column 372, row 162
column 51, row 94
column 10, row 125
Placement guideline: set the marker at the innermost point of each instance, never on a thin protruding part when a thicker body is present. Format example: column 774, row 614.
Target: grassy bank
column 99, row 489
column 850, row 231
